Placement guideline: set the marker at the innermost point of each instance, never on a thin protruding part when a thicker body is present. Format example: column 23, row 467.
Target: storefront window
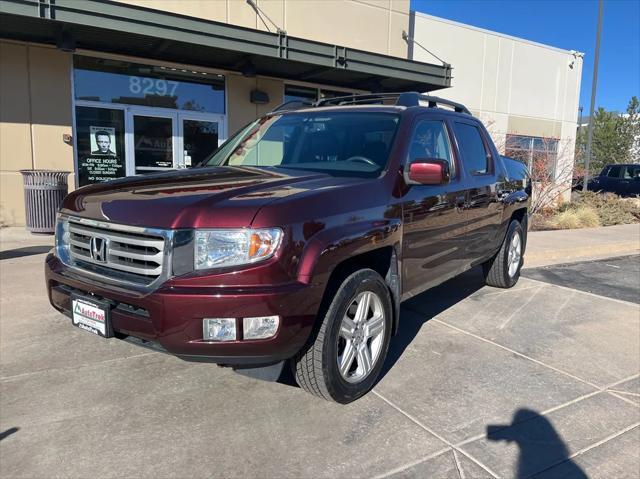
column 153, row 142
column 110, row 81
column 200, row 140
column 100, row 142
column 300, row 93
column 529, row 148
column 303, row 93
column 333, row 94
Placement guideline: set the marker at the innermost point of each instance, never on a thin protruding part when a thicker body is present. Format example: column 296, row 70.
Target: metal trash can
column 44, row 191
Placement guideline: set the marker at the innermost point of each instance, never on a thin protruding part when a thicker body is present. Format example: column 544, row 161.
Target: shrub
column 570, row 218
column 611, row 209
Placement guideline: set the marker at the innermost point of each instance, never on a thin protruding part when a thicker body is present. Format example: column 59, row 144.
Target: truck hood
column 225, row 196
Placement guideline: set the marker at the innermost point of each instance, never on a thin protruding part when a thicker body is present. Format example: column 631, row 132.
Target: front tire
column 347, row 354
column 503, row 270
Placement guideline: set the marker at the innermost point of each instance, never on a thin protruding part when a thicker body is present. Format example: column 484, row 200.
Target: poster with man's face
column 103, row 141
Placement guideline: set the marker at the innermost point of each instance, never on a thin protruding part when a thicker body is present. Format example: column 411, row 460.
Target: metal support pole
column 593, row 98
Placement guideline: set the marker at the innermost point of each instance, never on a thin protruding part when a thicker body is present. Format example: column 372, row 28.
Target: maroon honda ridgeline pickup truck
column 296, row 241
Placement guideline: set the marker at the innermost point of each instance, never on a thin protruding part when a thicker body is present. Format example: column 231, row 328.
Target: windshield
column 350, row 143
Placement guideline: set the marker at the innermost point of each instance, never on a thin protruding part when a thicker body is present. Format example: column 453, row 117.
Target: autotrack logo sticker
column 88, row 312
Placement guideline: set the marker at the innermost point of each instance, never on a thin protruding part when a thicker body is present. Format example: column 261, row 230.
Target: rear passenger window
column 632, row 172
column 474, row 154
column 430, row 140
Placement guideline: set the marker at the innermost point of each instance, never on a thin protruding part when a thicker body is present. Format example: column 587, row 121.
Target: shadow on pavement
column 540, row 445
column 421, row 308
column 414, row 313
column 26, row 251
column 8, row 432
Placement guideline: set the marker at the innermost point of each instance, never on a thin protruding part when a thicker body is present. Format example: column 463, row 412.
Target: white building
column 526, row 93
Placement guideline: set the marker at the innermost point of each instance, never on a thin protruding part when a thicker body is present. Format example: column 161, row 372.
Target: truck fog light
column 219, row 329
column 261, row 327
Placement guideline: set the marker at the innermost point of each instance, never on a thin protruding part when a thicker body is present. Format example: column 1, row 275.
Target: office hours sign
column 100, row 143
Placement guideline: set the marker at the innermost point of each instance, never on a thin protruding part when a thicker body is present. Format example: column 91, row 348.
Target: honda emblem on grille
column 98, row 247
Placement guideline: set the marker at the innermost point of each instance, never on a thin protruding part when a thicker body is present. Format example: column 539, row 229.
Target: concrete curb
column 533, row 259
column 567, row 246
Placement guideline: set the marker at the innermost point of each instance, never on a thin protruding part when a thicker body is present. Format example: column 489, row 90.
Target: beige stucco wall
column 498, row 73
column 35, row 113
column 241, row 110
column 372, row 25
column 513, row 85
column 35, row 80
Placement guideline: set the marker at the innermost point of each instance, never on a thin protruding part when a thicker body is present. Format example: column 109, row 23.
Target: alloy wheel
column 361, row 337
column 514, row 255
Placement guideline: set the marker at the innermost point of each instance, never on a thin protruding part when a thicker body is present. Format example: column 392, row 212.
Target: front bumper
column 170, row 318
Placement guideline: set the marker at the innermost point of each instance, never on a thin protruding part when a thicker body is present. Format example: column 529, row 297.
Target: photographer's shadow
column 542, row 452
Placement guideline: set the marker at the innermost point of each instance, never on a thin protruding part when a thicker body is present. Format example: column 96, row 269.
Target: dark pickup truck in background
column 297, row 240
column 623, row 180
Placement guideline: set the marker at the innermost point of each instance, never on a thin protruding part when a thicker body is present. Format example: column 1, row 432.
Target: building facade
column 527, row 94
column 104, row 89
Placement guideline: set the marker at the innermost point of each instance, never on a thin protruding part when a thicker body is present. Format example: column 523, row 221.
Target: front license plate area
column 91, row 315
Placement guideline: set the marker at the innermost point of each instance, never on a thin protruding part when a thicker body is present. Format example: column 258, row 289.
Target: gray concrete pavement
column 537, row 380
column 612, row 277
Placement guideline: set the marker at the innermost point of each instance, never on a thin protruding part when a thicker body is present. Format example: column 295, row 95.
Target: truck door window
column 632, row 171
column 614, row 171
column 430, row 140
column 474, row 153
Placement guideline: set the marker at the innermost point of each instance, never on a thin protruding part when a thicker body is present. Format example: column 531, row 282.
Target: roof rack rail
column 406, row 99
column 370, row 98
column 292, row 105
column 414, row 99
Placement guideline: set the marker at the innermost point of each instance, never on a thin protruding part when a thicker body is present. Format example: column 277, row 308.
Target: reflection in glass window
column 300, row 93
column 614, row 171
column 307, row 94
column 333, row 94
column 632, row 172
column 340, row 143
column 111, row 81
column 529, row 148
column 153, row 142
column 474, row 154
column 200, row 139
column 430, row 140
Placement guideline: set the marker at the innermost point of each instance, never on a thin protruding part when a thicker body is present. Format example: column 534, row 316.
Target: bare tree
column 552, row 175
column 551, row 166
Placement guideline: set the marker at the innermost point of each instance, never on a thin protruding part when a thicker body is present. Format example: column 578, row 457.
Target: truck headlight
column 62, row 239
column 221, row 248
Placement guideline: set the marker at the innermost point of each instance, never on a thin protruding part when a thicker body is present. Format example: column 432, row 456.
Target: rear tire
column 348, row 351
column 503, row 270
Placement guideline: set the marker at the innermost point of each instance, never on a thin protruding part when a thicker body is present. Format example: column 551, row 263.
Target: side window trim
column 454, row 163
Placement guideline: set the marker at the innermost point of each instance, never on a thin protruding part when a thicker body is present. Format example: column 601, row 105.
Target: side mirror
column 428, row 171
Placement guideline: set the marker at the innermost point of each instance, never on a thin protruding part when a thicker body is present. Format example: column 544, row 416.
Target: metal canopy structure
column 114, row 27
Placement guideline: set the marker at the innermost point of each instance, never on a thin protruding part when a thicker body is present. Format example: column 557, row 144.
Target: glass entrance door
column 199, row 136
column 161, row 139
column 154, row 145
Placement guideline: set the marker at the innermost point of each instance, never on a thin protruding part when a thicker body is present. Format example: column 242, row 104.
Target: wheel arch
column 384, row 261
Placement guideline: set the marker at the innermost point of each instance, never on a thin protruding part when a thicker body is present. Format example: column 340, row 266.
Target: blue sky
column 567, row 24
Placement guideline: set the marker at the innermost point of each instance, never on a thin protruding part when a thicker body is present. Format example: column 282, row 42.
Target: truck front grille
column 121, row 252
